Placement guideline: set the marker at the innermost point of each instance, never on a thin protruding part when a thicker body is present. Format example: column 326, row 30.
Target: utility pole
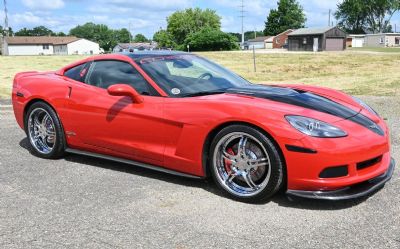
column 329, row 18
column 6, row 28
column 242, row 16
column 130, row 34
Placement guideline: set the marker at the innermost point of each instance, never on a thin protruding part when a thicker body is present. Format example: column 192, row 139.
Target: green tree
column 140, row 38
column 99, row 33
column 61, row 34
column 209, row 39
column 102, row 34
column 183, row 23
column 122, row 36
column 164, row 39
column 36, row 31
column 359, row 16
column 288, row 15
column 379, row 13
column 351, row 16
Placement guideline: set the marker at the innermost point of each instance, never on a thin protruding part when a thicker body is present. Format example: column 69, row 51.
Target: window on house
column 382, row 40
column 46, row 47
column 278, row 40
column 304, row 41
column 397, row 41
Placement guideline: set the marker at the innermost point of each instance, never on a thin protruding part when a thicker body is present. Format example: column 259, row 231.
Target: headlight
column 367, row 107
column 315, row 128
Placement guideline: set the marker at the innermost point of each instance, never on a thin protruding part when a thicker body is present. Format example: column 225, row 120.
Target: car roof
column 123, row 56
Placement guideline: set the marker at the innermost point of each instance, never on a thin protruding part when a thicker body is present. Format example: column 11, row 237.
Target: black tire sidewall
column 59, row 147
column 277, row 164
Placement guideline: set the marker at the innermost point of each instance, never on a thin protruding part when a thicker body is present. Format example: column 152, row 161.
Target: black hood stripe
column 308, row 100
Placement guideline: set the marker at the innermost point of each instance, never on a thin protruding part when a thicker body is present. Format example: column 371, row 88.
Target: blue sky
column 147, row 16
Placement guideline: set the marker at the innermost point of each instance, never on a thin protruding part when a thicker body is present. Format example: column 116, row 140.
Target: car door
column 111, row 124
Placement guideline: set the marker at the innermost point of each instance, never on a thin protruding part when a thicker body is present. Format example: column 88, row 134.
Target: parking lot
column 81, row 202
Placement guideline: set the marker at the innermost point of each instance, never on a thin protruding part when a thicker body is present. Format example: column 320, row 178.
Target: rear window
column 78, row 73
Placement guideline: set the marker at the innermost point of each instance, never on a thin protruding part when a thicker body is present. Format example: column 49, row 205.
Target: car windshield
column 187, row 75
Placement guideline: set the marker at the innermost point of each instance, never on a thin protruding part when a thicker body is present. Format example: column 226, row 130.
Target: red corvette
column 180, row 113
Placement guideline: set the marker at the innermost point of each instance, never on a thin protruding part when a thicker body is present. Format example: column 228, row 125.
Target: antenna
column 242, row 11
column 5, row 18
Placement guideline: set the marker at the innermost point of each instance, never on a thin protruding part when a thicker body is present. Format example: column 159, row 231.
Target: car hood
column 344, row 109
column 302, row 98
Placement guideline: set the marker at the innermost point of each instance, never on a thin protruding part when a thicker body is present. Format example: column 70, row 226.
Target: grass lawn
column 353, row 72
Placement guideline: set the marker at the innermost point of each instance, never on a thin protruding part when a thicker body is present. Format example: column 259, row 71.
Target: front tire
column 44, row 131
column 246, row 164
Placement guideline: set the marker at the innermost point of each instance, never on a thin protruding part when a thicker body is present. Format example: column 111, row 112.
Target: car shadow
column 206, row 184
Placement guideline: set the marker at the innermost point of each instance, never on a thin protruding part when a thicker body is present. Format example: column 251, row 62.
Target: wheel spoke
column 249, row 180
column 228, row 156
column 258, row 162
column 36, row 135
column 45, row 119
column 242, row 146
column 36, row 121
column 42, row 144
column 230, row 177
column 50, row 133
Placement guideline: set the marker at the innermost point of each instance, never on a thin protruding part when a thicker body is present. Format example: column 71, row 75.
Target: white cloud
column 43, row 4
column 145, row 5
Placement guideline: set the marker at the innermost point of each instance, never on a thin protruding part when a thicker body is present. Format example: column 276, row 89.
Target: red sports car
column 179, row 113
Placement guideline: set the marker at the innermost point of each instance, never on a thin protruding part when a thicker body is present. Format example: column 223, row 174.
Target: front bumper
column 351, row 192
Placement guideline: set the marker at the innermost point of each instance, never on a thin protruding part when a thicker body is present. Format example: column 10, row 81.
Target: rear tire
column 246, row 164
column 44, row 131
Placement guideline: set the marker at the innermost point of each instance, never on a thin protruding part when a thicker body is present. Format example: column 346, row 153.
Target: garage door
column 334, row 44
column 358, row 42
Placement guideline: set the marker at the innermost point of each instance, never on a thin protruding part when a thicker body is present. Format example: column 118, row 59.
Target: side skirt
column 130, row 162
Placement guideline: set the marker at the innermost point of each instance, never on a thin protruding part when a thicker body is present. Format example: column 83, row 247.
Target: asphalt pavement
column 81, row 202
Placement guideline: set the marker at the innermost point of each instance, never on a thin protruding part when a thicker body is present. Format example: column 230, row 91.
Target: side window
column 78, row 73
column 107, row 73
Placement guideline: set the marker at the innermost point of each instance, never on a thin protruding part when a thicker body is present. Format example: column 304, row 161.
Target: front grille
column 334, row 172
column 369, row 163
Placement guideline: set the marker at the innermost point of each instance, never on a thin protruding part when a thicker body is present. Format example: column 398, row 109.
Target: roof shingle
column 33, row 40
column 311, row 31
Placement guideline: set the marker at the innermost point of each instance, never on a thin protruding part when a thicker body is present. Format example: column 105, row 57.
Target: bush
column 209, row 39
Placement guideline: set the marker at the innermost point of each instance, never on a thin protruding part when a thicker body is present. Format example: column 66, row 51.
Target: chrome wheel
column 41, row 130
column 242, row 164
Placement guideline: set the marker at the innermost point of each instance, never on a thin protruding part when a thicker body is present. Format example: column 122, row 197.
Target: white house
column 49, row 45
column 382, row 40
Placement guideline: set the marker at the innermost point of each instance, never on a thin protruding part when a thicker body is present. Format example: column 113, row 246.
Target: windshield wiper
column 205, row 93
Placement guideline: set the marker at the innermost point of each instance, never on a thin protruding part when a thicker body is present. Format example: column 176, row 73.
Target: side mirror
column 125, row 90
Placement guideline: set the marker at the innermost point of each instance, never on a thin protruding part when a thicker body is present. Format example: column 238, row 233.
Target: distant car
column 180, row 113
